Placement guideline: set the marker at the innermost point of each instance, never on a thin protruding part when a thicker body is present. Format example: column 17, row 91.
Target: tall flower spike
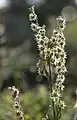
column 51, row 55
column 41, row 40
column 59, row 56
column 17, row 105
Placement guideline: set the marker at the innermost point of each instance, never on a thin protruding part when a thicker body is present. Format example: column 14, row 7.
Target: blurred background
column 18, row 56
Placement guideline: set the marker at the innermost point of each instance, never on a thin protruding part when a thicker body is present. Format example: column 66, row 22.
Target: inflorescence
column 17, row 105
column 51, row 53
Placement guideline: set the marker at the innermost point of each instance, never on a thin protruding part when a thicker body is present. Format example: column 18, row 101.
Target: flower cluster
column 41, row 39
column 51, row 55
column 17, row 106
column 58, row 60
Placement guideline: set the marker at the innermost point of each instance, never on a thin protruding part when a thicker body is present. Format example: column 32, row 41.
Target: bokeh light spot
column 4, row 4
column 35, row 2
column 69, row 13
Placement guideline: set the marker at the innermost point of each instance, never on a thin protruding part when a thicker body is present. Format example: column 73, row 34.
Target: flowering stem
column 50, row 81
column 50, row 87
column 17, row 105
column 51, row 52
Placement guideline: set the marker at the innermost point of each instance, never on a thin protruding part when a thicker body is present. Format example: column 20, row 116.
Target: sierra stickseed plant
column 51, row 56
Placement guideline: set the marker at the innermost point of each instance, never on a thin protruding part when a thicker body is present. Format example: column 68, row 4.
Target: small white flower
column 34, row 27
column 62, row 104
column 32, row 17
column 41, row 30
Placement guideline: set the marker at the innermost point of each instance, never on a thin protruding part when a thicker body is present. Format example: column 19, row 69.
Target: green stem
column 50, row 80
column 50, row 87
